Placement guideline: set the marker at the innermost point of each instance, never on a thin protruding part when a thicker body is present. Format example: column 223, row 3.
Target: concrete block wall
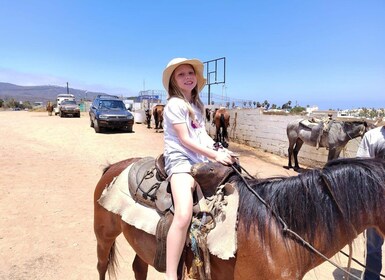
column 268, row 132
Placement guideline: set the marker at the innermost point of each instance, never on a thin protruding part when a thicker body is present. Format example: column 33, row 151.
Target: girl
column 186, row 143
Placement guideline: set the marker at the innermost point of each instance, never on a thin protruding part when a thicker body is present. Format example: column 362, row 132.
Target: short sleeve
column 176, row 111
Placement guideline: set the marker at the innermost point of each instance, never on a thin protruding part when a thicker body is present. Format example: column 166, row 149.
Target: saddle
column 148, row 185
column 318, row 127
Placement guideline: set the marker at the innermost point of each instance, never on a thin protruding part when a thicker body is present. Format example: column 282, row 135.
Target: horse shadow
column 338, row 274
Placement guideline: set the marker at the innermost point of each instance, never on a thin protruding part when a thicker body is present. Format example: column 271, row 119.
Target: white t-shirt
column 371, row 140
column 176, row 112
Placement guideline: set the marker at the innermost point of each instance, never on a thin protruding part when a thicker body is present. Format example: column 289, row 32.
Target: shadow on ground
column 338, row 274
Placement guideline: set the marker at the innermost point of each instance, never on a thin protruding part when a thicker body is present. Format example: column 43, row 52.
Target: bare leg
column 182, row 185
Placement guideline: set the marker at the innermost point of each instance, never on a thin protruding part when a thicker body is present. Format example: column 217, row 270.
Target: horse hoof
column 287, row 167
column 298, row 169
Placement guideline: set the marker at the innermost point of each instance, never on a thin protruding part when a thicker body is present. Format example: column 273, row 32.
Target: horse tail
column 223, row 125
column 112, row 262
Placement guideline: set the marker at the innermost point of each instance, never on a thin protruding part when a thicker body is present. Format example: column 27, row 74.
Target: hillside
column 40, row 93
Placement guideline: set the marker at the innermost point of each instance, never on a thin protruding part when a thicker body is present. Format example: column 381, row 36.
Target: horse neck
column 372, row 217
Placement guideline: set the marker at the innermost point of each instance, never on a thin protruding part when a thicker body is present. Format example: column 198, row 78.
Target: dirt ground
column 49, row 169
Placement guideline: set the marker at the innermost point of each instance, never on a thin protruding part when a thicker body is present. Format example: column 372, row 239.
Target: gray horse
column 334, row 137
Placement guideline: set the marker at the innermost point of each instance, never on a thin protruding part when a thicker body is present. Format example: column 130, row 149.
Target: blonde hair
column 174, row 91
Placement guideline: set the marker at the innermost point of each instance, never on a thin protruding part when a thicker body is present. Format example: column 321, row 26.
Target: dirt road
column 49, row 168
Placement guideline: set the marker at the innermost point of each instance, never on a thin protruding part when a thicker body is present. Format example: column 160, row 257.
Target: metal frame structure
column 212, row 74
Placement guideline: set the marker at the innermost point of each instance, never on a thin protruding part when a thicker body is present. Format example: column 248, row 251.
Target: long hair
column 174, row 91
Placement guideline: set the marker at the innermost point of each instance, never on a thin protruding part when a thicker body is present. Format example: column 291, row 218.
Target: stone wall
column 268, row 133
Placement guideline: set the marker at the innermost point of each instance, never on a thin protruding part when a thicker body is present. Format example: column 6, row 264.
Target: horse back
column 109, row 173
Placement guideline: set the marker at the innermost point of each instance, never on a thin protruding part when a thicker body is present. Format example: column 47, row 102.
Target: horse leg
column 106, row 257
column 290, row 153
column 217, row 137
column 140, row 268
column 334, row 153
column 106, row 228
column 297, row 147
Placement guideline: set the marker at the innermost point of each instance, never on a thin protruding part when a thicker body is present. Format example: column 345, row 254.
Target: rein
column 285, row 228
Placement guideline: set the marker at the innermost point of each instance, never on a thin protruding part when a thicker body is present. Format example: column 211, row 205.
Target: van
column 60, row 98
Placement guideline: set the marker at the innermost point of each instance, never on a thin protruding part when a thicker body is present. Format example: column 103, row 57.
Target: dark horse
column 221, row 120
column 157, row 112
column 327, row 207
column 338, row 135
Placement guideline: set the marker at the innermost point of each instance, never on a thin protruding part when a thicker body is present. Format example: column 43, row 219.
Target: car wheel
column 61, row 114
column 91, row 123
column 128, row 129
column 97, row 127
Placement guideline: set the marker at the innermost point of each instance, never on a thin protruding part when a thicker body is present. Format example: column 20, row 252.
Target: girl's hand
column 224, row 156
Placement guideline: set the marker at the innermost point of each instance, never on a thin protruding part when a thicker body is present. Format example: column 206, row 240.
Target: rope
column 285, row 227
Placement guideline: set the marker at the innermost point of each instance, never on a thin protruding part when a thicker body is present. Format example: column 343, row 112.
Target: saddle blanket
column 221, row 240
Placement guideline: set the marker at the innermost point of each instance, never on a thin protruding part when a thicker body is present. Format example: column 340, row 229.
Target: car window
column 67, row 102
column 117, row 105
column 111, row 104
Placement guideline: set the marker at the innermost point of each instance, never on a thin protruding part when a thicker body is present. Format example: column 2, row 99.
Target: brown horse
column 221, row 120
column 49, row 108
column 157, row 112
column 327, row 207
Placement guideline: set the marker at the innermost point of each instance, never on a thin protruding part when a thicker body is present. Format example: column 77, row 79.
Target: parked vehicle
column 69, row 108
column 108, row 111
column 60, row 98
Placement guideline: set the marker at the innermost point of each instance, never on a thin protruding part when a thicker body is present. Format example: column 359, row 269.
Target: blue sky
column 326, row 53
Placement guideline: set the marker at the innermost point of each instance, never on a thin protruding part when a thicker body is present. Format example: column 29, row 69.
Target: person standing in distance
column 186, row 143
column 372, row 145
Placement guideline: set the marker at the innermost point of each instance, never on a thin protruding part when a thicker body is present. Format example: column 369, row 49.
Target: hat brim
column 195, row 63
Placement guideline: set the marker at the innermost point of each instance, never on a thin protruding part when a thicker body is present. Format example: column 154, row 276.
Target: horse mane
column 317, row 201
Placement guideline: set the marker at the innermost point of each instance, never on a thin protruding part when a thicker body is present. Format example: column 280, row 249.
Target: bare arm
column 222, row 156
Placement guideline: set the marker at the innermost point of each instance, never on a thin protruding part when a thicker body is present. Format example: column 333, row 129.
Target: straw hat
column 174, row 63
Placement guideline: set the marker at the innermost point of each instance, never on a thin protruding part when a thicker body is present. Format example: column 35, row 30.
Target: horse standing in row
column 157, row 113
column 334, row 139
column 49, row 108
column 325, row 207
column 221, row 120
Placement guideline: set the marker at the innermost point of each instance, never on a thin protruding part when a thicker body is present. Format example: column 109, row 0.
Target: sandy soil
column 49, row 168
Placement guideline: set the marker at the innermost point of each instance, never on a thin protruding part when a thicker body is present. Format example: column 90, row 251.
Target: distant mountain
column 41, row 93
